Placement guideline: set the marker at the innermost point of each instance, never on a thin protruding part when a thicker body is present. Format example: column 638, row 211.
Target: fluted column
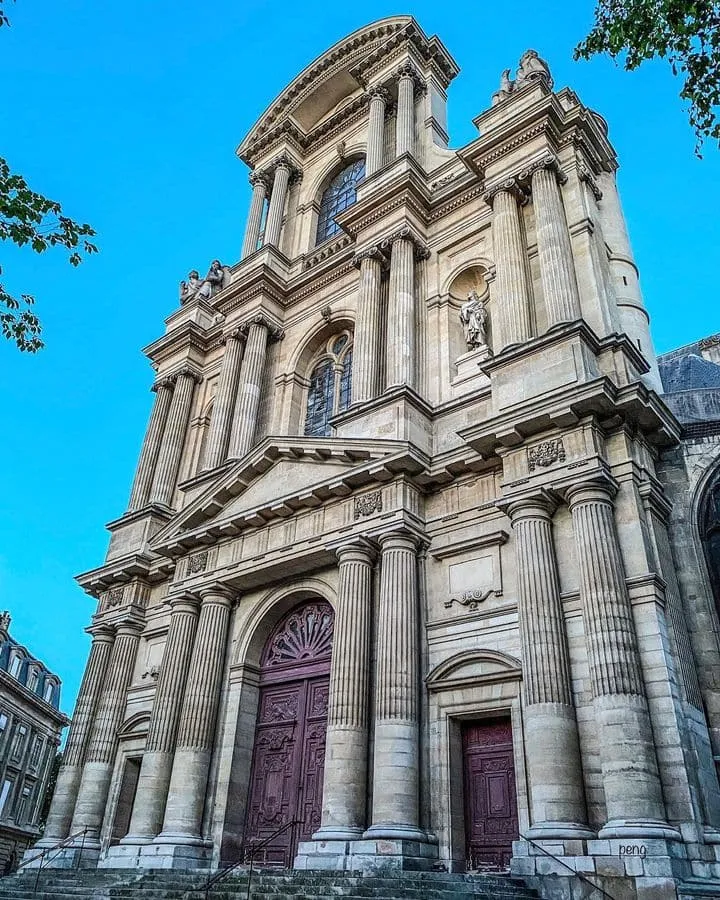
column 157, row 761
column 145, row 471
column 376, row 129
column 557, row 269
column 405, row 127
column 366, row 350
column 248, row 395
column 191, row 764
column 225, row 399
column 395, row 807
column 633, row 794
column 68, row 781
column 557, row 794
column 401, row 312
column 276, row 209
column 258, row 180
column 102, row 746
column 344, row 791
column 512, row 291
column 168, row 463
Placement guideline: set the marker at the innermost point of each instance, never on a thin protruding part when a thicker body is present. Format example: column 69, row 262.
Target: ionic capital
column 167, row 381
column 274, row 332
column 407, row 234
column 509, row 186
column 187, row 372
column 235, row 334
column 373, row 253
column 550, row 163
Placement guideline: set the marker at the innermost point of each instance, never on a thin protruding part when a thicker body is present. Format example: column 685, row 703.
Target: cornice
column 185, row 336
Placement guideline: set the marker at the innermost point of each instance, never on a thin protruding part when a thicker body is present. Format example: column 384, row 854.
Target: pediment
column 471, row 667
column 279, row 478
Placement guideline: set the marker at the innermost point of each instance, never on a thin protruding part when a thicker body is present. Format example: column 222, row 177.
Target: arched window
column 709, row 515
column 338, row 195
column 330, row 390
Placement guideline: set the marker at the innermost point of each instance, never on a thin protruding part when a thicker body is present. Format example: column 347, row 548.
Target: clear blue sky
column 129, row 114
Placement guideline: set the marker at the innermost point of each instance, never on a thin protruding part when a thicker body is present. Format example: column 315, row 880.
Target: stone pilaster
column 557, row 269
column 278, row 196
column 68, row 781
column 258, row 180
column 251, row 379
column 557, row 794
column 376, row 129
column 168, row 463
column 405, row 128
column 631, row 782
column 191, row 764
column 401, row 345
column 395, row 807
column 345, row 787
column 224, row 405
column 513, row 324
column 145, row 472
column 157, row 761
column 102, row 746
column 365, row 367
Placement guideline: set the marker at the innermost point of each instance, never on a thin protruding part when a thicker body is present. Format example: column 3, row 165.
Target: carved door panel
column 313, row 757
column 491, row 819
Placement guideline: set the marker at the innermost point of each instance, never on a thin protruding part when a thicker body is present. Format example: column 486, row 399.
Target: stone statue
column 506, row 87
column 189, row 288
column 532, row 69
column 217, row 278
column 473, row 318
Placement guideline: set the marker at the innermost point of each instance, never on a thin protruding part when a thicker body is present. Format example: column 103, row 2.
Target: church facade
column 397, row 586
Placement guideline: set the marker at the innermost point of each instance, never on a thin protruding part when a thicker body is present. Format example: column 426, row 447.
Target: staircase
column 266, row 885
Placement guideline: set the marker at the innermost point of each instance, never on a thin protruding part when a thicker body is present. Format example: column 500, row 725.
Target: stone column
column 258, row 180
column 157, row 761
column 376, row 129
column 68, row 781
column 345, row 787
column 248, row 396
column 102, row 747
column 140, row 493
column 405, row 127
column 512, row 290
column 395, row 813
column 168, row 464
column 225, row 399
column 401, row 311
column 191, row 765
column 557, row 268
column 278, row 197
column 365, row 366
column 633, row 794
column 557, row 793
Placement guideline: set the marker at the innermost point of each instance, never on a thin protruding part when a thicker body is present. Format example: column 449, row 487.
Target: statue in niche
column 217, row 278
column 474, row 318
column 506, row 87
column 532, row 69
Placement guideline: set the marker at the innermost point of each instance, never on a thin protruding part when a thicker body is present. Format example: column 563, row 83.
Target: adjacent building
column 30, row 728
column 418, row 568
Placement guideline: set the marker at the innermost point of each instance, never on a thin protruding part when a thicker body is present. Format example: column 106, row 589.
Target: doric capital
column 102, row 633
column 600, row 490
column 407, row 234
column 509, row 186
column 187, row 601
column 408, row 69
column 219, row 594
column 373, row 253
column 378, row 92
column 548, row 162
column 357, row 549
column 274, row 333
column 540, row 504
column 131, row 625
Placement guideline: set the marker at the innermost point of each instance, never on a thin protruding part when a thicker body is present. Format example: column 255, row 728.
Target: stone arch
column 331, row 167
column 354, row 165
column 135, row 725
column 471, row 667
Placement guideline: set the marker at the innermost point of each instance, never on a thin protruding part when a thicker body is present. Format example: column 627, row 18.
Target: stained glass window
column 338, row 195
column 345, row 381
column 330, row 388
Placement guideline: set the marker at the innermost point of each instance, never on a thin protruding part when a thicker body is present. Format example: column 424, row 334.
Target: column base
column 338, row 834
column 80, row 856
column 368, row 856
column 395, row 832
column 553, row 831
column 173, row 852
column 638, row 828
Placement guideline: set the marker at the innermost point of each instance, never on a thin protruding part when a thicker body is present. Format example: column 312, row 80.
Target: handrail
column 248, row 855
column 59, row 846
column 580, row 875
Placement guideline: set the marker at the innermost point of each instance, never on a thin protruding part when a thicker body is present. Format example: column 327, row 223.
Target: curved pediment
column 135, row 725
column 473, row 666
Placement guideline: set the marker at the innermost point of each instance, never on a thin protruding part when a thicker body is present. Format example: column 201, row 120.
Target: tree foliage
column 29, row 219
column 684, row 32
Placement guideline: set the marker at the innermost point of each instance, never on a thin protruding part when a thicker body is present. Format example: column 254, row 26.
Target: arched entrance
column 286, row 780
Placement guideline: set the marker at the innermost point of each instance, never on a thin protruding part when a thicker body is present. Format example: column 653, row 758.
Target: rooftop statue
column 217, row 278
column 531, row 70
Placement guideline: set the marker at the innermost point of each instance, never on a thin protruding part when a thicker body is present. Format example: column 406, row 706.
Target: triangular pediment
column 281, row 477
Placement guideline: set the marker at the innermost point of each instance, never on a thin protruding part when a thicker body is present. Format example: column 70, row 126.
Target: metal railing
column 577, row 874
column 248, row 856
column 56, row 848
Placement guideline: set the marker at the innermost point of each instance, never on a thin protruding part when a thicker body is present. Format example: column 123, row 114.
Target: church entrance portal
column 288, row 759
column 491, row 818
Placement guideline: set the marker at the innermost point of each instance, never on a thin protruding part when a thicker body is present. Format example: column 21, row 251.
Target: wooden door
column 491, row 819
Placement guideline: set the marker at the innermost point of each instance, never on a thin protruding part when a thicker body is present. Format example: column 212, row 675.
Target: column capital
column 400, row 539
column 234, row 334
column 373, row 253
column 132, row 625
column 509, row 185
column 597, row 490
column 378, row 92
column 260, row 176
column 165, row 381
column 275, row 333
column 356, row 549
column 185, row 601
column 408, row 69
column 189, row 372
column 284, row 161
column 218, row 594
column 547, row 162
column 103, row 632
column 540, row 504
column 405, row 233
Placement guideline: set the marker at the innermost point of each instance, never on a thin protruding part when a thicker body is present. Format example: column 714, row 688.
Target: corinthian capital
column 260, row 176
column 378, row 92
column 408, row 69
column 285, row 161
column 509, row 186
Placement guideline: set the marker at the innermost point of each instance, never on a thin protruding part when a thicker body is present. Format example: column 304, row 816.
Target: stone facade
column 396, row 590
column 30, row 727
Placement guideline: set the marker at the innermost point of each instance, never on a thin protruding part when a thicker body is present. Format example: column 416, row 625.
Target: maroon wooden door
column 286, row 780
column 491, row 819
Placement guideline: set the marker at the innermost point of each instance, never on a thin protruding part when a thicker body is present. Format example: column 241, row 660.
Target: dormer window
column 338, row 196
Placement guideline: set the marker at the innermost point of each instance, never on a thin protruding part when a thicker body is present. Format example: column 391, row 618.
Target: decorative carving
column 545, row 454
column 709, row 342
column 197, row 563
column 166, row 382
column 304, row 635
column 473, row 318
column 326, row 313
column 217, row 278
column 368, row 504
column 409, row 70
column 114, row 597
column 406, row 234
column 286, row 162
column 320, row 700
column 446, row 179
column 587, row 176
column 378, row 92
column 505, row 89
column 260, row 176
column 471, row 598
column 153, row 672
column 280, row 709
column 329, row 248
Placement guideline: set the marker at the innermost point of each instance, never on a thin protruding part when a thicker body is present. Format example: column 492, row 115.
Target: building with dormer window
column 397, row 585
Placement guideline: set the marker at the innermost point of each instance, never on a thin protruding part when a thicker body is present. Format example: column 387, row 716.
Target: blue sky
column 129, row 114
